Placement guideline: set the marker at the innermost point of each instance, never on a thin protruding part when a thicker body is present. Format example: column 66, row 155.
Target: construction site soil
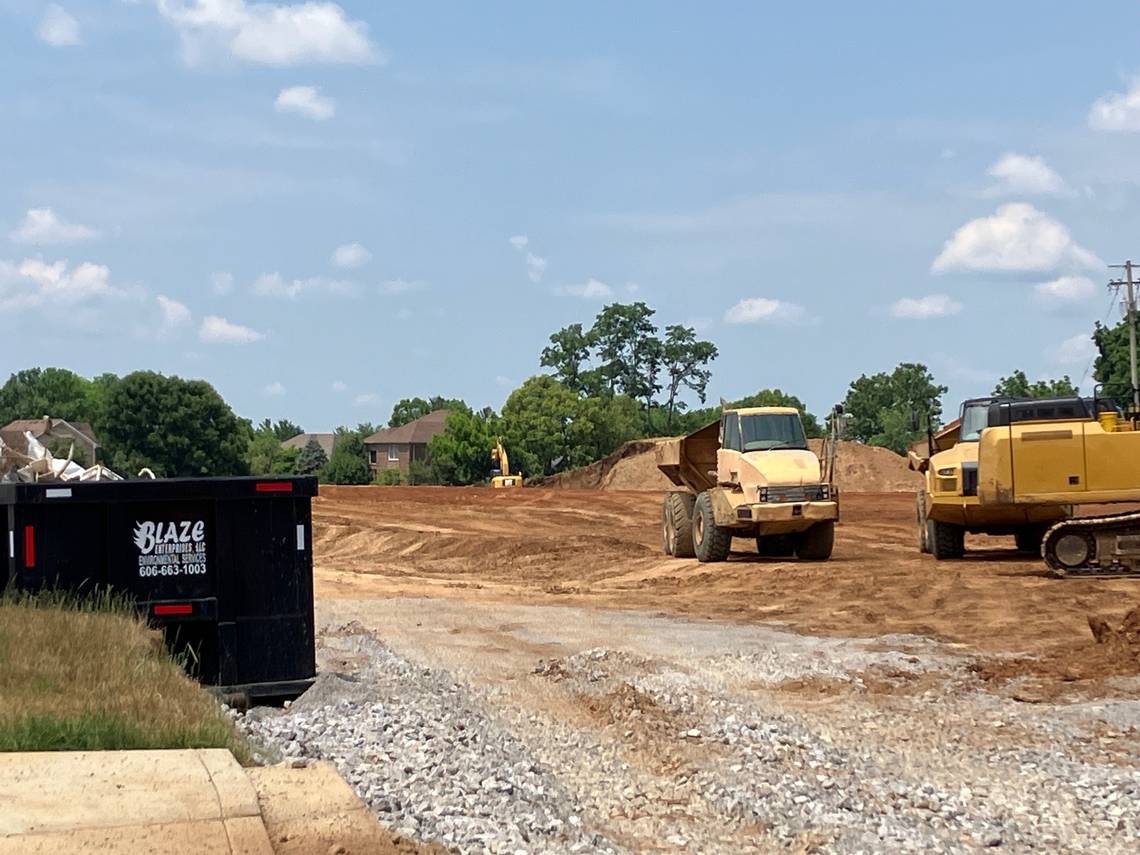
column 1037, row 635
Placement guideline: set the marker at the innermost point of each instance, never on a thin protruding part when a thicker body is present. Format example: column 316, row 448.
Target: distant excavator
column 503, row 476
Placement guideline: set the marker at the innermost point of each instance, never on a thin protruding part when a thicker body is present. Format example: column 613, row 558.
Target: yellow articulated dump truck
column 750, row 475
column 1022, row 467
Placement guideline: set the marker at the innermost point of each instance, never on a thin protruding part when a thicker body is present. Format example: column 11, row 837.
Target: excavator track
column 1094, row 546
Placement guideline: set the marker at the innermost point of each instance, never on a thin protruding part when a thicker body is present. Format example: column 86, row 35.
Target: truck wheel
column 776, row 546
column 668, row 533
column 711, row 542
column 817, row 542
column 923, row 527
column 946, row 540
column 680, row 507
column 1029, row 539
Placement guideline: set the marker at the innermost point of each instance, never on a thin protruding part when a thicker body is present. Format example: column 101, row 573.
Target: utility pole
column 1130, row 309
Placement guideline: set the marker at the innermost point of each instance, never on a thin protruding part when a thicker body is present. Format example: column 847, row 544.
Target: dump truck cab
column 749, row 475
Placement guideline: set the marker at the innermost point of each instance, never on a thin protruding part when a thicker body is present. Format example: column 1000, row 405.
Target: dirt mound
column 861, row 468
column 631, row 467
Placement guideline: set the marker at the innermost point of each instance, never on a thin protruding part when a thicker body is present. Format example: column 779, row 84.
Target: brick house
column 396, row 448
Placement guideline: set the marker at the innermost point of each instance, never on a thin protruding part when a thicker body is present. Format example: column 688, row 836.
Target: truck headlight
column 824, row 492
column 762, row 495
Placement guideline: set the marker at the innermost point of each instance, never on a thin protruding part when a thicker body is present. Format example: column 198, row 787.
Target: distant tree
column 461, row 453
column 1017, row 385
column 686, row 362
column 173, row 426
column 389, row 478
column 266, row 455
column 410, row 409
column 536, row 419
column 57, row 392
column 600, row 425
column 349, row 461
column 312, row 458
column 421, row 472
column 568, row 353
column 283, row 429
column 697, row 419
column 1112, row 368
column 629, row 350
column 880, row 405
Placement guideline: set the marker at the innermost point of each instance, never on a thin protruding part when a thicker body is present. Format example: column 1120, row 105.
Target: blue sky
column 324, row 208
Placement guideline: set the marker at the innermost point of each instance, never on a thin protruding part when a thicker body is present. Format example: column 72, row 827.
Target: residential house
column 56, row 434
column 325, row 440
column 396, row 448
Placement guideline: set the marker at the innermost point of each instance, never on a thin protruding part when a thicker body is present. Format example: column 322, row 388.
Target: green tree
column 176, row 427
column 569, row 351
column 312, row 458
column 1017, row 385
column 1112, row 368
column 349, row 461
column 686, row 362
column 909, row 388
column 283, row 429
column 266, row 456
column 601, row 425
column 629, row 350
column 536, row 424
column 764, row 398
column 410, row 409
column 461, row 453
column 38, row 392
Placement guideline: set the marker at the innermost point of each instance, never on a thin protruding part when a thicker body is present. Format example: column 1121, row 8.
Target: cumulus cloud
column 351, row 255
column 173, row 313
column 58, row 28
column 1019, row 174
column 753, row 310
column 217, row 330
column 42, row 227
column 222, row 282
column 399, row 286
column 591, row 289
column 1018, row 237
column 1118, row 111
column 923, row 308
column 276, row 285
column 305, row 101
column 519, row 241
column 535, row 267
column 274, row 390
column 277, row 34
column 1065, row 289
column 34, row 282
column 1077, row 350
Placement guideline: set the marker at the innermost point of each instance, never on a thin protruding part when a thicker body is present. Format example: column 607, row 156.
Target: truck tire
column 1029, row 539
column 668, row 534
column 682, row 506
column 947, row 541
column 711, row 542
column 817, row 542
column 923, row 526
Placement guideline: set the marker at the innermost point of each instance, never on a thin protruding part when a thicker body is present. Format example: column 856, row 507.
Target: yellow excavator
column 503, row 476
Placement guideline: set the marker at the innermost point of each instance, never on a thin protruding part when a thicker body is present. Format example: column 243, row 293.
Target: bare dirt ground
column 601, row 550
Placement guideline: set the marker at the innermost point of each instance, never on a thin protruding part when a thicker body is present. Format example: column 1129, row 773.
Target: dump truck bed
column 691, row 460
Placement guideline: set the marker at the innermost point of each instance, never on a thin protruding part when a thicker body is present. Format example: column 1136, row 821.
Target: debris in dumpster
column 36, row 464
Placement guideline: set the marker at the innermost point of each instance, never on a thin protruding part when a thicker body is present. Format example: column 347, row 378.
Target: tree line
column 620, row 379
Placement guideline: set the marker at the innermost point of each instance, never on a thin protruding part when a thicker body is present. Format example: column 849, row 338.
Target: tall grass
column 89, row 674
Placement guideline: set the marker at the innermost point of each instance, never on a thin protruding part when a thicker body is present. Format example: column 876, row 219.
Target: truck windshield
column 772, row 430
column 975, row 419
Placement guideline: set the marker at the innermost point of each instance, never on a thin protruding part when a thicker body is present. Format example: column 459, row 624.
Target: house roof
column 325, row 440
column 13, row 432
column 418, row 432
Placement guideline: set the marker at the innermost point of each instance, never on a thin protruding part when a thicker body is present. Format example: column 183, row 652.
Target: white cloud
column 399, row 286
column 1019, row 174
column 365, row 399
column 274, row 390
column 42, row 227
column 1119, row 111
column 1077, row 350
column 1066, row 289
column 278, row 34
column 34, row 282
column 1018, row 237
column 222, row 282
column 58, row 28
column 752, row 310
column 339, row 386
column 923, row 308
column 276, row 285
column 519, row 242
column 305, row 101
column 592, row 289
column 535, row 267
column 351, row 255
column 216, row 330
column 174, row 314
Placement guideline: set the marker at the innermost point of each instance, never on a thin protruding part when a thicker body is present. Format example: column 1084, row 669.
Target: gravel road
column 491, row 728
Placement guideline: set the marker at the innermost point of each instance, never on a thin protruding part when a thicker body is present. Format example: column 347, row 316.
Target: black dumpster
column 223, row 565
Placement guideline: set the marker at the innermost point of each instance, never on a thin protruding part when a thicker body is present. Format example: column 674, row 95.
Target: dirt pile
column 859, row 468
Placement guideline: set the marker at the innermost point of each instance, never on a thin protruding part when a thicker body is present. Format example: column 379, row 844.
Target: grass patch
column 90, row 675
